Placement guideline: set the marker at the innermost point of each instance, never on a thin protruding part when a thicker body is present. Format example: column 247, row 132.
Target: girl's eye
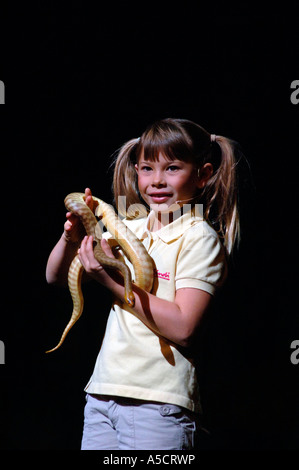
column 173, row 168
column 146, row 168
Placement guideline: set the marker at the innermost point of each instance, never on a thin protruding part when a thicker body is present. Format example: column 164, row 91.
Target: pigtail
column 125, row 187
column 221, row 195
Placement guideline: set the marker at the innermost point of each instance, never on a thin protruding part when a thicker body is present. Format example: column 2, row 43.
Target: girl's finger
column 88, row 198
column 87, row 248
column 89, row 245
column 106, row 248
column 86, row 256
column 82, row 249
column 88, row 201
column 72, row 218
column 92, row 204
column 67, row 226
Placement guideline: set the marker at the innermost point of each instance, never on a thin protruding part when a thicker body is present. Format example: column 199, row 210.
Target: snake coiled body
column 127, row 240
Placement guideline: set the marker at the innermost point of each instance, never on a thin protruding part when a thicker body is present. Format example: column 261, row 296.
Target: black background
column 80, row 82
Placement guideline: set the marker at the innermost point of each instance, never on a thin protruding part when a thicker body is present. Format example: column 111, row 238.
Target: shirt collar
column 176, row 228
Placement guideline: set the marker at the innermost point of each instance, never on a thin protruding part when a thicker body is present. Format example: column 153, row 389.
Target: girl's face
column 164, row 182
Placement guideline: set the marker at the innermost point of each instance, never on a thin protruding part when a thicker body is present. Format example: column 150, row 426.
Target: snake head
column 130, row 299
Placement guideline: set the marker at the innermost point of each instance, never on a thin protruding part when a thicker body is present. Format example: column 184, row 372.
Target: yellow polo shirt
column 134, row 361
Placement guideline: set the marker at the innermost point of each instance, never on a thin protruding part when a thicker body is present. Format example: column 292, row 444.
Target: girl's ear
column 136, row 167
column 204, row 174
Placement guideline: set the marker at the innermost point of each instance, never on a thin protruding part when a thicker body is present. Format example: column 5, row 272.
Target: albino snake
column 131, row 245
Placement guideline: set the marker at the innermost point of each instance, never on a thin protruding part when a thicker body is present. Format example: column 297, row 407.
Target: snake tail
column 74, row 280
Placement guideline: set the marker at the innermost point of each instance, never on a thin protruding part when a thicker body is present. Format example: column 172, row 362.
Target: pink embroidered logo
column 165, row 276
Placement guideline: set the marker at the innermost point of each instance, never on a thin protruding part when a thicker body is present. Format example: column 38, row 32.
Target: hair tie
column 213, row 137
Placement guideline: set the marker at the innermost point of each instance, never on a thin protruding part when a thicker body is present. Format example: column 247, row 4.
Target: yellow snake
column 131, row 245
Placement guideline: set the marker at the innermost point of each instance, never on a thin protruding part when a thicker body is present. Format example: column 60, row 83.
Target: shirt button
column 166, row 410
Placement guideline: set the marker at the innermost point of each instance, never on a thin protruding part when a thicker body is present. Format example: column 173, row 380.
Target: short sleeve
column 201, row 262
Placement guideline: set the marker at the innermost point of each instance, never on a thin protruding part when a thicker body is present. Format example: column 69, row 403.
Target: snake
column 132, row 247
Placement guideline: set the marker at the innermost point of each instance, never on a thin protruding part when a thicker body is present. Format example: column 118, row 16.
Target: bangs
column 166, row 137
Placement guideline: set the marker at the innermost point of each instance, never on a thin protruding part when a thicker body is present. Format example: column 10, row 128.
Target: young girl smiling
column 143, row 393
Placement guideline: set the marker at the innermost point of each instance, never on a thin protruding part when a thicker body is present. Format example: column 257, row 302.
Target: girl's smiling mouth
column 160, row 196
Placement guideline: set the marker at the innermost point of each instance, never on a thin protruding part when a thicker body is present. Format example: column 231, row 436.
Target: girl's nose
column 158, row 178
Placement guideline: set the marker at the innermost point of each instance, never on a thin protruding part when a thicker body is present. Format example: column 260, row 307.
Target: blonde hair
column 180, row 139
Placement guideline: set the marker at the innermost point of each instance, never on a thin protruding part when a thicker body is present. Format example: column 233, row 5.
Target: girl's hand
column 89, row 261
column 73, row 228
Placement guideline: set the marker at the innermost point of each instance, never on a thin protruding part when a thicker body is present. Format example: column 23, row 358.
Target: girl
column 143, row 393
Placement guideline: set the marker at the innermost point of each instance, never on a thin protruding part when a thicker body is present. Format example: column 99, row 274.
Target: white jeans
column 112, row 423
